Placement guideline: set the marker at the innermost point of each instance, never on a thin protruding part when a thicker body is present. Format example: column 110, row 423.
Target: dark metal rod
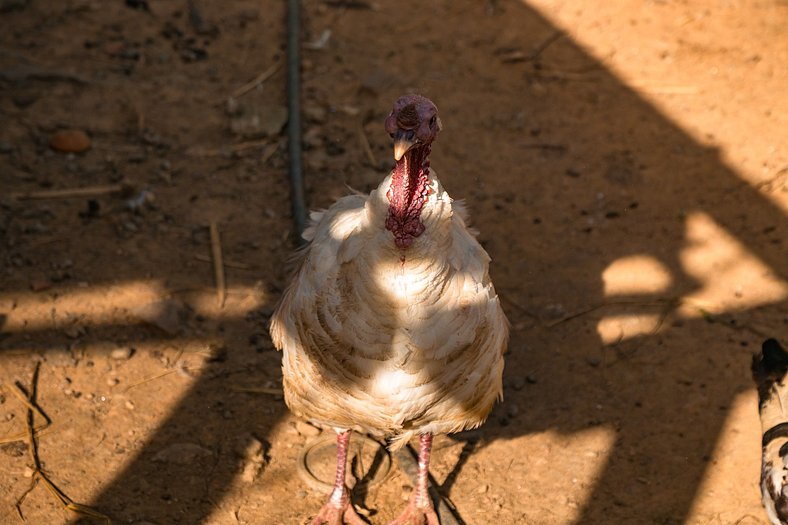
column 294, row 116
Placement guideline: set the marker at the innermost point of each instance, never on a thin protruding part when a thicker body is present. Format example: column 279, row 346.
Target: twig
column 544, row 145
column 670, row 303
column 38, row 474
column 73, row 193
column 538, row 50
column 229, row 264
column 257, row 390
column 218, row 267
column 149, row 379
column 738, row 521
column 362, row 135
column 256, row 81
column 229, row 150
column 37, row 430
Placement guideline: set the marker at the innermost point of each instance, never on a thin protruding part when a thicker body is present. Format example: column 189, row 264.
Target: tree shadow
column 537, row 205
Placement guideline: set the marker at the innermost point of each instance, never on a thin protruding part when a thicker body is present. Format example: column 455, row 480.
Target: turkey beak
column 402, row 143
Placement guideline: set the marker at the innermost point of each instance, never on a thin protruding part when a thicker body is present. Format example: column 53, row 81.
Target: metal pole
column 294, row 116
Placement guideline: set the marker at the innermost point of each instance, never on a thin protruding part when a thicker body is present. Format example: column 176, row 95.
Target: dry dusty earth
column 625, row 163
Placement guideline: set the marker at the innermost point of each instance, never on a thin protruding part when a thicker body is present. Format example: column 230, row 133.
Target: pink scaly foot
column 420, row 510
column 415, row 515
column 341, row 514
column 338, row 510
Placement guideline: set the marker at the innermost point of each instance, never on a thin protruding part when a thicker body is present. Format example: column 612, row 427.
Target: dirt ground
column 624, row 162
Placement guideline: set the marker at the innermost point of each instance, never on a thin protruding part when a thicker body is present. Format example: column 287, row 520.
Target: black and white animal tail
column 769, row 369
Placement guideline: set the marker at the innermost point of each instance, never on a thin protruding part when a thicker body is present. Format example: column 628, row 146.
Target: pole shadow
column 537, row 203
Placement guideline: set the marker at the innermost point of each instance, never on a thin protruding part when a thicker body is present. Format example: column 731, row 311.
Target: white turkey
column 769, row 371
column 391, row 326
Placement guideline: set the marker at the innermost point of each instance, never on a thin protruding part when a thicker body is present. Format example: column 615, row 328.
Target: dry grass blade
column 218, row 266
column 72, row 193
column 235, row 149
column 149, row 379
column 362, row 135
column 32, row 447
column 229, row 264
column 670, row 303
column 257, row 390
column 256, row 81
column 22, row 396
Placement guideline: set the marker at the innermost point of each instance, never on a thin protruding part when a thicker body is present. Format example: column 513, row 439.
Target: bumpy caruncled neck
column 407, row 194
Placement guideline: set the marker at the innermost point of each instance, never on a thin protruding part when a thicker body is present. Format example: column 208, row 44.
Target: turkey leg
column 420, row 510
column 338, row 510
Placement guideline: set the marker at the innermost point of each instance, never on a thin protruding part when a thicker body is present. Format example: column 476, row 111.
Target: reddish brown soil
column 627, row 175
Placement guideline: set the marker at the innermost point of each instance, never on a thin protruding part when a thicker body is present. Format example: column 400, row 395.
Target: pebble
column 74, row 331
column 315, row 114
column 593, row 361
column 122, row 353
column 70, row 141
column 39, row 285
column 112, row 381
column 518, row 382
column 129, row 405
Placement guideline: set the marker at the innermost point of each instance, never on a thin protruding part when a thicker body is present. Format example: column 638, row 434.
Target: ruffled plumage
column 391, row 342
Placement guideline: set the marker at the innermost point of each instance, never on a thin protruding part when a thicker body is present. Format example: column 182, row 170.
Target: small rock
column 315, row 114
column 313, row 138
column 251, row 120
column 482, row 489
column 39, row 285
column 122, row 353
column 518, row 383
column 28, row 472
column 593, row 361
column 251, row 471
column 306, row 430
column 129, row 405
column 70, row 141
column 112, row 381
column 554, row 311
column 74, row 331
column 182, row 453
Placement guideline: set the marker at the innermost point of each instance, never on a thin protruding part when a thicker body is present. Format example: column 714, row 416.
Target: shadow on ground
column 565, row 169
